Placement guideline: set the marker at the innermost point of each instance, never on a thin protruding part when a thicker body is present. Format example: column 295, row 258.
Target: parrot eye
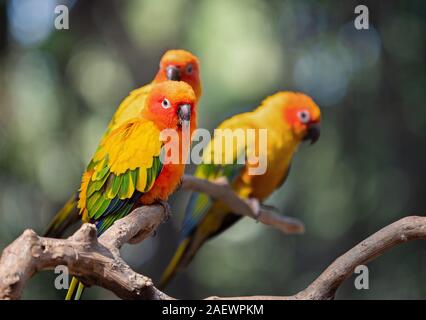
column 166, row 104
column 189, row 68
column 304, row 116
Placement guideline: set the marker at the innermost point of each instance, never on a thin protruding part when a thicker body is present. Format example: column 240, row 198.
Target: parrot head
column 180, row 65
column 303, row 116
column 171, row 105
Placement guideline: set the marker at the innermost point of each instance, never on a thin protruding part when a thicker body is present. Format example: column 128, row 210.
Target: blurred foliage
column 59, row 88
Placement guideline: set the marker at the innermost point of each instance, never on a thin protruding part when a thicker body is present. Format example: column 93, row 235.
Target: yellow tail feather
column 76, row 289
column 71, row 289
column 174, row 264
column 79, row 292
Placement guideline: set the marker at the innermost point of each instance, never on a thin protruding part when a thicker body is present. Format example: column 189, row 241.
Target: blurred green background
column 59, row 88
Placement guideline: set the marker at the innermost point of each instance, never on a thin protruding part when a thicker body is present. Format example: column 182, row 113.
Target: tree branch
column 220, row 189
column 98, row 262
column 94, row 262
column 324, row 287
column 401, row 231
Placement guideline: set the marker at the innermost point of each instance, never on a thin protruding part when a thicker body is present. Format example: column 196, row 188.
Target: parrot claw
column 167, row 209
column 256, row 208
column 269, row 207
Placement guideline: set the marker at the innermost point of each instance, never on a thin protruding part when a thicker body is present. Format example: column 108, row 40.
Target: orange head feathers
column 171, row 104
column 180, row 65
column 303, row 115
column 300, row 115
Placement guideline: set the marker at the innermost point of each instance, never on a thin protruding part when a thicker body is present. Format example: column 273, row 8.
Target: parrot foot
column 269, row 207
column 166, row 208
column 141, row 234
column 255, row 207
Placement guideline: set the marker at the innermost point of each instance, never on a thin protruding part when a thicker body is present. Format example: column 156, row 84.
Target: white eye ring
column 166, row 104
column 304, row 116
column 189, row 68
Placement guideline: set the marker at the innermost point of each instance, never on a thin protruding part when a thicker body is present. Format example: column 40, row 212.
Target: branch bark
column 324, row 287
column 220, row 189
column 95, row 261
column 98, row 262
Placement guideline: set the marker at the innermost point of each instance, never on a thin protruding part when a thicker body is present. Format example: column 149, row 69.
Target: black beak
column 313, row 134
column 184, row 113
column 173, row 73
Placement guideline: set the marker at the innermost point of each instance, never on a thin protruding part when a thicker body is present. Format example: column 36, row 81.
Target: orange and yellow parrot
column 289, row 119
column 126, row 170
column 176, row 65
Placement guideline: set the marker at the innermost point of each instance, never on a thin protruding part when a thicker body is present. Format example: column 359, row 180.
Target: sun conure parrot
column 176, row 65
column 126, row 170
column 289, row 119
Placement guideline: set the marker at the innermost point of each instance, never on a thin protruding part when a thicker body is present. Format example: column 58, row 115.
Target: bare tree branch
column 220, row 189
column 95, row 262
column 401, row 231
column 324, row 287
column 98, row 262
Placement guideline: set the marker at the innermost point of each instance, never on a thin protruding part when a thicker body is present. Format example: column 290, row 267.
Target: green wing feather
column 110, row 187
column 112, row 196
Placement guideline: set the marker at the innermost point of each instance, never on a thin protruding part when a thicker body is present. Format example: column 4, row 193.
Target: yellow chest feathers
column 279, row 153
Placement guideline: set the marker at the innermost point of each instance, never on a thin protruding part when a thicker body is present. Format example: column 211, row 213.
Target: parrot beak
column 173, row 73
column 184, row 114
column 313, row 134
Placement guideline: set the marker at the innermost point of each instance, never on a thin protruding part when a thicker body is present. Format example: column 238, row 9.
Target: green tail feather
column 66, row 217
column 79, row 292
